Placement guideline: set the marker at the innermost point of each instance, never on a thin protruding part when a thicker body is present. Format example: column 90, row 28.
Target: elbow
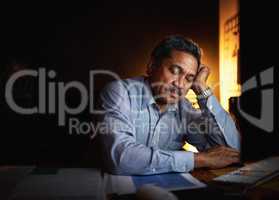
column 114, row 170
column 116, row 166
column 119, row 169
column 126, row 161
column 125, row 166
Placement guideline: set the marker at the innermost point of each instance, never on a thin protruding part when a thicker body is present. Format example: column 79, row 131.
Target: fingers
column 222, row 148
column 204, row 68
column 225, row 152
column 229, row 149
column 203, row 74
column 231, row 154
column 230, row 158
column 234, row 159
column 221, row 156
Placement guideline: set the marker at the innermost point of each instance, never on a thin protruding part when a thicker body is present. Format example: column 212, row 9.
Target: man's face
column 174, row 77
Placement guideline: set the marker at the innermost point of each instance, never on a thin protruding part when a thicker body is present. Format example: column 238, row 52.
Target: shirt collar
column 147, row 96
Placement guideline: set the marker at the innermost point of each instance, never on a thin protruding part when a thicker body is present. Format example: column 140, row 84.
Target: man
column 148, row 119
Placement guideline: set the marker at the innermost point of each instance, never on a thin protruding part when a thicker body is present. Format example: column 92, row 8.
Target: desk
column 32, row 183
column 268, row 190
column 11, row 176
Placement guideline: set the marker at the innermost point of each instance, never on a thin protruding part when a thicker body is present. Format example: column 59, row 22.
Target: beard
column 168, row 95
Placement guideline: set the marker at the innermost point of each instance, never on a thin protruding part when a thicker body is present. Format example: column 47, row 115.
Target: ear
column 150, row 67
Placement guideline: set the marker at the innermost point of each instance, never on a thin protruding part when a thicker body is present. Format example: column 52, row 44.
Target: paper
column 65, row 183
column 252, row 173
column 171, row 181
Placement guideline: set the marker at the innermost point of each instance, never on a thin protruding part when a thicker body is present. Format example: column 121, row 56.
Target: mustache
column 168, row 88
column 174, row 89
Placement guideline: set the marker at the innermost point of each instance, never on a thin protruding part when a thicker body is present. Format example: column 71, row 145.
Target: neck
column 162, row 106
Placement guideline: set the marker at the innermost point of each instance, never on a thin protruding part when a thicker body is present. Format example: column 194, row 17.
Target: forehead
column 185, row 60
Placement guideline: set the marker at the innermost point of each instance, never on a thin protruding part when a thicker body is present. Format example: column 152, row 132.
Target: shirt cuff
column 183, row 161
column 211, row 103
column 223, row 120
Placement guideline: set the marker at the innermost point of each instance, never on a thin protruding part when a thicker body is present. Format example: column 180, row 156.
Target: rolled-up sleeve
column 219, row 128
column 122, row 153
column 224, row 122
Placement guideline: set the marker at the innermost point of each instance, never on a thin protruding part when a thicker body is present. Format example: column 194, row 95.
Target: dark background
column 74, row 38
column 258, row 52
column 110, row 35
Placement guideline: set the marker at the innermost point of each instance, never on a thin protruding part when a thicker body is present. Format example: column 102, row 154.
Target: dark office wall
column 75, row 38
column 114, row 36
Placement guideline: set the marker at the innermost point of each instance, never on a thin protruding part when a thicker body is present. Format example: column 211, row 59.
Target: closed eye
column 175, row 69
column 190, row 78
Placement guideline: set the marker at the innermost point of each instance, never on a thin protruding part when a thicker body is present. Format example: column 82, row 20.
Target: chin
column 171, row 100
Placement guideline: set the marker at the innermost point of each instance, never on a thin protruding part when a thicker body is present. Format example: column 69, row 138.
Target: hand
column 199, row 84
column 217, row 157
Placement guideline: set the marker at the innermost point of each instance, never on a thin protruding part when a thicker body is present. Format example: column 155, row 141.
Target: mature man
column 148, row 119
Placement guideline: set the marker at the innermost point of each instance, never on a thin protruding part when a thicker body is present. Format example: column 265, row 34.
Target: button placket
column 154, row 117
column 156, row 133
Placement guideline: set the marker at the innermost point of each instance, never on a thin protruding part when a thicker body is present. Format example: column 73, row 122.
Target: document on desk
column 170, row 181
column 61, row 183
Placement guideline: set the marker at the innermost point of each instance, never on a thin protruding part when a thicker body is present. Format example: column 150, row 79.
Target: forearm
column 130, row 158
column 222, row 128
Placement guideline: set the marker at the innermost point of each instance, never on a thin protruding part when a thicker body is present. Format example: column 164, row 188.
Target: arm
column 122, row 153
column 221, row 129
column 218, row 128
column 219, row 143
column 224, row 131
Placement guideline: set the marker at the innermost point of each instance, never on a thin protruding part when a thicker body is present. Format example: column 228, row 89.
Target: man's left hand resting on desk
column 217, row 157
column 147, row 119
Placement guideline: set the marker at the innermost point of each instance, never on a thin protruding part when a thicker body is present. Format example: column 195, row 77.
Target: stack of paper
column 171, row 181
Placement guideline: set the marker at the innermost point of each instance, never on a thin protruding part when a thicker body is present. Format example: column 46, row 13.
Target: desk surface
column 269, row 190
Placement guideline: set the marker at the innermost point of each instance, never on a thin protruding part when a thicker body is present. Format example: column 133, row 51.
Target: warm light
column 228, row 51
column 191, row 96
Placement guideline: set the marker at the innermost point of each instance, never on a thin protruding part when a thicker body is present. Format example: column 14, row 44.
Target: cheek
column 160, row 75
column 166, row 78
column 169, row 78
column 187, row 87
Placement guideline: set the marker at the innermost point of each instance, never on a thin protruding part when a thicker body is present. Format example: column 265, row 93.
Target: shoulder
column 123, row 94
column 129, row 86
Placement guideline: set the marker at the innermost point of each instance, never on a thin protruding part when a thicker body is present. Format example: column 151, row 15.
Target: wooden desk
column 30, row 182
column 206, row 175
column 268, row 190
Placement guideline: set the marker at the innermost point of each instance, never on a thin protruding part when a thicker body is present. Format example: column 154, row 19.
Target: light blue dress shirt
column 137, row 139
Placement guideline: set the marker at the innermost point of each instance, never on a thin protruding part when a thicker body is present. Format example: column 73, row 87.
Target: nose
column 179, row 82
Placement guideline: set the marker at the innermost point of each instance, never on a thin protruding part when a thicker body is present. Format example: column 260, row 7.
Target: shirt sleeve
column 122, row 153
column 218, row 128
